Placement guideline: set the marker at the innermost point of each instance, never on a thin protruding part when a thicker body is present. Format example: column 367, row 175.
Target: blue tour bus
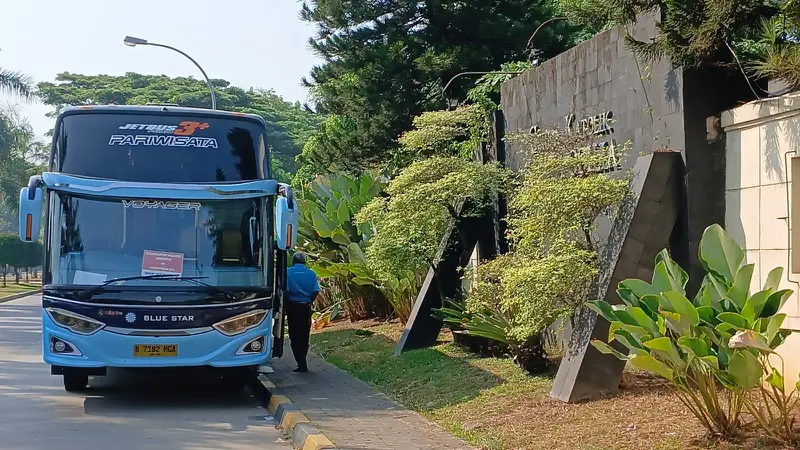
column 165, row 242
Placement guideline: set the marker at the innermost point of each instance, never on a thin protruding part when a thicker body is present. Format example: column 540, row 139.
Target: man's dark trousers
column 299, row 330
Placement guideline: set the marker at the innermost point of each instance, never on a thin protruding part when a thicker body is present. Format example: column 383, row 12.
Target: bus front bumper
column 108, row 349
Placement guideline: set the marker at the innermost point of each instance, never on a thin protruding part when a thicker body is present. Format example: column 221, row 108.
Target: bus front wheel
column 75, row 381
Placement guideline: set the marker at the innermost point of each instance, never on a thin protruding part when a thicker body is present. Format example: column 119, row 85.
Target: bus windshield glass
column 160, row 148
column 96, row 239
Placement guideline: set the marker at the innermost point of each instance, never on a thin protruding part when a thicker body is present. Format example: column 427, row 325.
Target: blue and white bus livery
column 165, row 242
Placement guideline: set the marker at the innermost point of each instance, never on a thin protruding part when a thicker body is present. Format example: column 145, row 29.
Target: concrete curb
column 304, row 434
column 20, row 295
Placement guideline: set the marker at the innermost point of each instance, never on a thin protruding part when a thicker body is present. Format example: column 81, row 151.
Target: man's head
column 299, row 258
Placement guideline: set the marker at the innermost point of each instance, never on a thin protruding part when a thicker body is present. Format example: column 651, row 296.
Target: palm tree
column 16, row 83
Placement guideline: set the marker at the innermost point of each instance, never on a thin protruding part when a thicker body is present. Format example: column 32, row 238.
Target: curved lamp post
column 527, row 47
column 131, row 41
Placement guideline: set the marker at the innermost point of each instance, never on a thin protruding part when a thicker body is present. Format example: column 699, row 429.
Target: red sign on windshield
column 162, row 263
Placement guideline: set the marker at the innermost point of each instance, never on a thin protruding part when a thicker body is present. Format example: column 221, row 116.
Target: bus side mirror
column 30, row 213
column 286, row 219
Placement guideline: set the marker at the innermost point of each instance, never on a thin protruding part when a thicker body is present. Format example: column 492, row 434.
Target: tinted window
column 100, row 239
column 161, row 148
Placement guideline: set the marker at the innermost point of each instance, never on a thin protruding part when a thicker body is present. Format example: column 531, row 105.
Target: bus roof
column 151, row 109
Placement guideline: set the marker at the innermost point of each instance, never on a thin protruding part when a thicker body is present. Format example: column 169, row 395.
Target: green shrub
column 720, row 338
column 552, row 267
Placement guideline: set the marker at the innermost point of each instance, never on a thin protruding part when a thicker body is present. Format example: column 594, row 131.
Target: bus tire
column 75, row 381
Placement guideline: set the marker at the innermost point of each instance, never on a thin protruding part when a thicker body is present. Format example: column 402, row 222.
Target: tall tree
column 691, row 34
column 289, row 124
column 21, row 155
column 386, row 61
column 16, row 83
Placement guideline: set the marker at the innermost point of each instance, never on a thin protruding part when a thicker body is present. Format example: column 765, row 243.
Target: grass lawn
column 493, row 405
column 13, row 288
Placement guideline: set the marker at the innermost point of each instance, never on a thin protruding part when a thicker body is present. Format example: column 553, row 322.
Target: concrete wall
column 591, row 80
column 761, row 139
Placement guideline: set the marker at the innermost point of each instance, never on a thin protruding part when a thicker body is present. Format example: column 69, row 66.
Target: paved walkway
column 352, row 414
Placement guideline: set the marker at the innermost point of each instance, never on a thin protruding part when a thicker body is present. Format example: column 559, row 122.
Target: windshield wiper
column 196, row 280
column 87, row 293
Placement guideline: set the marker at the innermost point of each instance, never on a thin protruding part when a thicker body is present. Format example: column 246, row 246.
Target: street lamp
column 131, row 41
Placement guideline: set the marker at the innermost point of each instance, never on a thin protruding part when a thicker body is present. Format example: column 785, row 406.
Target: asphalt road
column 122, row 411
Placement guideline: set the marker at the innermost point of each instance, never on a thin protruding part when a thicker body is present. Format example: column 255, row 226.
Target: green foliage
column 486, row 92
column 553, row 263
column 386, row 62
column 18, row 255
column 328, row 233
column 724, row 335
column 424, row 199
column 777, row 53
column 21, row 155
column 289, row 125
column 16, row 83
column 690, row 33
column 443, row 133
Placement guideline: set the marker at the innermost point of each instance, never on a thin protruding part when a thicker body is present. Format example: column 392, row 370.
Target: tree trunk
column 16, row 275
column 27, row 274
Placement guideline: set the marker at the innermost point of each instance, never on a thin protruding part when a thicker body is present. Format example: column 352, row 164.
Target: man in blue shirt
column 303, row 288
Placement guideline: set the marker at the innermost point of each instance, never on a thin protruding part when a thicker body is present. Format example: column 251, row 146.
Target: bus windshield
column 161, row 148
column 96, row 239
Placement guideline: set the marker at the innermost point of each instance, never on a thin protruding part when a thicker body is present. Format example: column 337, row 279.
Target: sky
column 250, row 43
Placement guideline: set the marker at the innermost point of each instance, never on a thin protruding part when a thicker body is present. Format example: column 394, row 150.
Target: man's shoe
column 301, row 369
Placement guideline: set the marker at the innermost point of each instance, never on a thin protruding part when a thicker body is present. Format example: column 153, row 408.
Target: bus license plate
column 146, row 350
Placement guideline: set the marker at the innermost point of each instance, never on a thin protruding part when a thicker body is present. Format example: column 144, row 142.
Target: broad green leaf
column 330, row 209
column 774, row 279
column 643, row 320
column 694, row 345
column 706, row 314
column 663, row 280
column 638, row 287
column 676, row 322
column 628, row 297
column 745, row 369
column 734, row 319
column 719, row 292
column 720, row 253
column 649, row 303
column 364, row 281
column 774, row 326
column 711, row 361
column 676, row 272
column 621, row 312
column 604, row 348
column 704, row 296
column 365, row 185
column 780, row 338
column 603, row 309
column 753, row 306
column 340, row 237
column 355, row 254
column 321, row 223
column 343, row 213
column 650, row 364
column 322, row 272
column 775, row 302
column 775, row 379
column 681, row 305
column 726, row 328
column 741, row 286
column 629, row 341
column 664, row 344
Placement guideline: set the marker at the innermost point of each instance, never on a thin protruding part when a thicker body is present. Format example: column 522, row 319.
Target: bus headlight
column 74, row 321
column 241, row 323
